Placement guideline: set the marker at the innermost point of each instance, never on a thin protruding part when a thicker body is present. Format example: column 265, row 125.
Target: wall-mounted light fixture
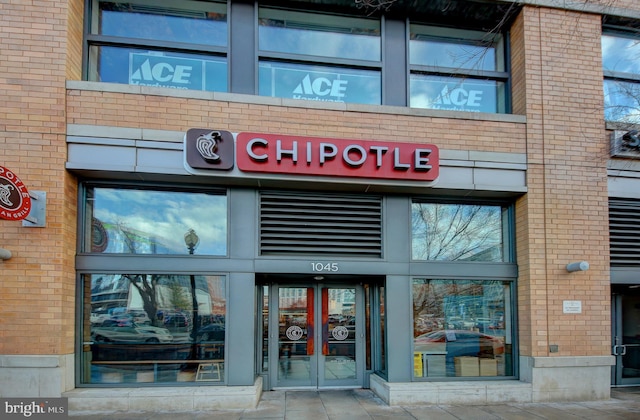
column 578, row 266
column 5, row 254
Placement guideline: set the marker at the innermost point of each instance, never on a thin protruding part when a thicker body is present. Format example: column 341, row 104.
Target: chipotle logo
column 15, row 203
column 300, row 155
column 209, row 149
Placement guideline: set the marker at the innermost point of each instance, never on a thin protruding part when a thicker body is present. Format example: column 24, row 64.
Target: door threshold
column 315, row 388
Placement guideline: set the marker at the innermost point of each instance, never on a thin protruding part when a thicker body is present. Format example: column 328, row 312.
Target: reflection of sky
column 620, row 54
column 163, row 27
column 448, row 232
column 458, row 56
column 166, row 216
column 622, row 101
column 326, row 44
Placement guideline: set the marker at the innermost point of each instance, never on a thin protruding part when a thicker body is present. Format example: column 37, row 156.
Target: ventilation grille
column 329, row 225
column 624, row 231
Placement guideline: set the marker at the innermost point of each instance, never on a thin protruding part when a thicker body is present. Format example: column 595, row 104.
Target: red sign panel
column 296, row 155
column 15, row 203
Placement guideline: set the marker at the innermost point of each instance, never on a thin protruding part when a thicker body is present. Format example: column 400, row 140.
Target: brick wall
column 564, row 216
column 37, row 283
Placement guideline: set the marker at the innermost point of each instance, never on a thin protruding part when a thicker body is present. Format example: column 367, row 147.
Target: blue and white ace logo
column 321, row 89
column 161, row 71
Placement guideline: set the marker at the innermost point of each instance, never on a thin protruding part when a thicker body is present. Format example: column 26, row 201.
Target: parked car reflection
column 129, row 332
column 211, row 332
column 460, row 343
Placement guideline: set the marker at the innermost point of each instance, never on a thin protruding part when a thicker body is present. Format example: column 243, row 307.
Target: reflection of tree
column 455, row 232
column 146, row 285
column 178, row 298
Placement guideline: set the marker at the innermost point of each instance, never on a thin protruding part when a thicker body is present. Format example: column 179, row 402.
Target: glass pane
column 622, row 101
column 159, row 69
column 153, row 328
column 340, row 361
column 457, row 94
column 462, row 328
column 631, row 336
column 621, row 54
column 131, row 221
column 441, row 53
column 320, row 83
column 383, row 337
column 186, row 21
column 457, row 232
column 293, row 309
column 320, row 35
column 265, row 328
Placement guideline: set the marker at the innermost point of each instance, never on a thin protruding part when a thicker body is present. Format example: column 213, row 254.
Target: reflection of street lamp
column 192, row 241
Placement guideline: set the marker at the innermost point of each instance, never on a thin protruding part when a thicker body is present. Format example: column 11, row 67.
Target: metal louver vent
column 624, row 231
column 328, row 225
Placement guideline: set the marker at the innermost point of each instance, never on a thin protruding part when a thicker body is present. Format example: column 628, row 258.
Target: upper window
column 159, row 43
column 319, row 57
column 137, row 221
column 621, row 66
column 457, row 70
column 459, row 232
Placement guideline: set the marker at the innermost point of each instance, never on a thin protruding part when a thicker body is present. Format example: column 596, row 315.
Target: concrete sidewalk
column 362, row 404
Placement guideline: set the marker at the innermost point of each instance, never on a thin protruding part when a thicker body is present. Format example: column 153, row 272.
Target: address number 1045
column 319, row 267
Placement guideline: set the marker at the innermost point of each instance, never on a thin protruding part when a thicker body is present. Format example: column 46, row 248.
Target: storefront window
column 153, row 328
column 140, row 221
column 474, row 65
column 462, row 328
column 458, row 232
column 179, row 45
column 320, row 83
column 621, row 66
column 338, row 58
column 159, row 69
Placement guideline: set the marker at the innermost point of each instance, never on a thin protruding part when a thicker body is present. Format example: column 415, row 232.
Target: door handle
column 617, row 350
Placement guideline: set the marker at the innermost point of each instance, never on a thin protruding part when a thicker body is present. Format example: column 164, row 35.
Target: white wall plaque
column 572, row 306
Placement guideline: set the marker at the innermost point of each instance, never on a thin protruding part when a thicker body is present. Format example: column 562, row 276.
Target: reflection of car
column 211, row 332
column 114, row 331
column 483, row 324
column 176, row 320
column 460, row 343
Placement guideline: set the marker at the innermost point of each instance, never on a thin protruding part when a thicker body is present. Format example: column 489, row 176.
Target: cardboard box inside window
column 467, row 366
column 488, row 367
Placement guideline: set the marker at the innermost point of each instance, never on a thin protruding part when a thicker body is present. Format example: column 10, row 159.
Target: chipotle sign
column 299, row 155
column 15, row 203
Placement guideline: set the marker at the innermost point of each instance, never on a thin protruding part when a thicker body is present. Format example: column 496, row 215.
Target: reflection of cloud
column 620, row 54
column 167, row 216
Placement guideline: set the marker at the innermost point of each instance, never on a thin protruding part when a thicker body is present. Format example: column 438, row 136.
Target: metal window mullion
column 114, row 41
column 621, row 76
column 317, row 59
column 450, row 71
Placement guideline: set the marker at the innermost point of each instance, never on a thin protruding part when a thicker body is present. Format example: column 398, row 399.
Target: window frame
column 98, row 40
column 507, row 227
column 84, row 226
column 499, row 41
column 510, row 303
column 619, row 76
column 312, row 60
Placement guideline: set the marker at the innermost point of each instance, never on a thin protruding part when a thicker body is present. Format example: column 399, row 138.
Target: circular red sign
column 15, row 203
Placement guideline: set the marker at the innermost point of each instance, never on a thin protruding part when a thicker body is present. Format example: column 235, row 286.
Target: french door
column 316, row 335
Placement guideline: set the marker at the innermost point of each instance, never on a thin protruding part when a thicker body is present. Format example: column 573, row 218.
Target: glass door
column 626, row 335
column 320, row 334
